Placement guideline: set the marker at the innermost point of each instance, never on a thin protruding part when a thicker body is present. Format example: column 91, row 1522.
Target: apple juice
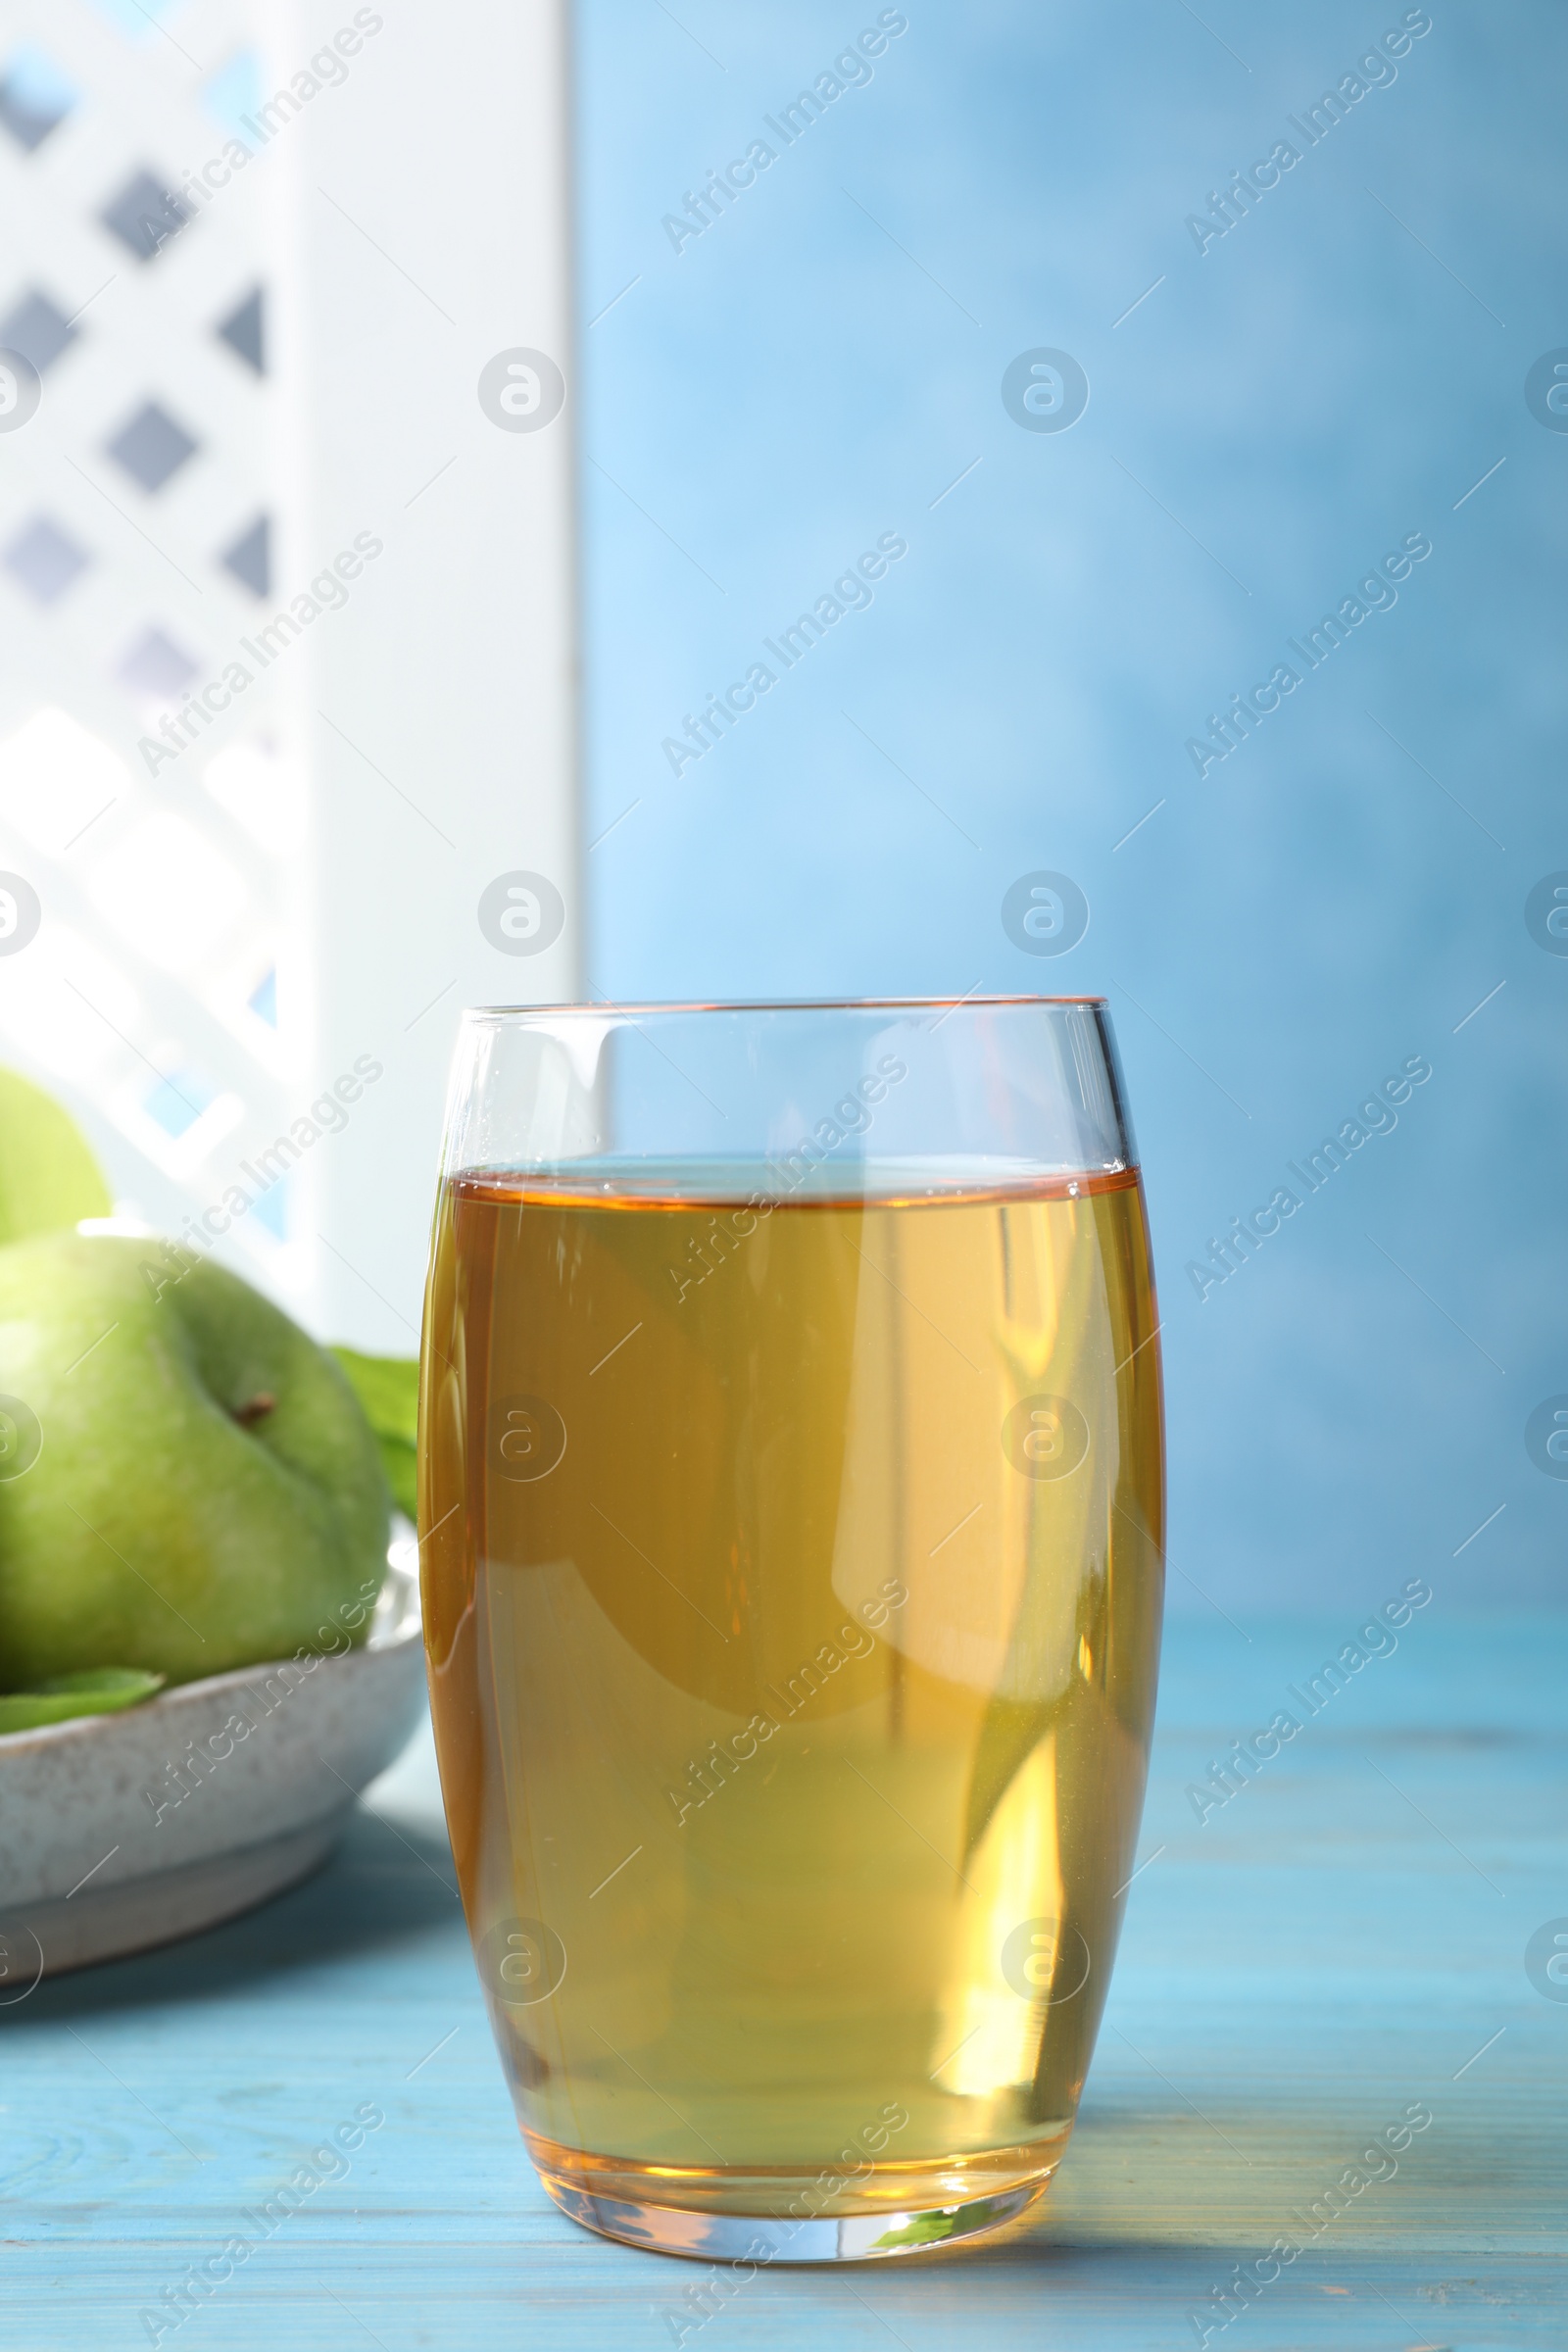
column 792, row 1576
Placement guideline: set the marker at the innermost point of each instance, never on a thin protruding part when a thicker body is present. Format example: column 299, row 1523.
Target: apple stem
column 247, row 1415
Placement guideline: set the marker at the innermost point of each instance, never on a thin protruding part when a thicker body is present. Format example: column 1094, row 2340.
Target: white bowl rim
column 394, row 1624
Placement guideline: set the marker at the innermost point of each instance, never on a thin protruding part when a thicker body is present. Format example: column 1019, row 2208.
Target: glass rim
column 630, row 1009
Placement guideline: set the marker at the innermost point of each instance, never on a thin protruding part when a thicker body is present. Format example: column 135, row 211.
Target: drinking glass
column 792, row 1512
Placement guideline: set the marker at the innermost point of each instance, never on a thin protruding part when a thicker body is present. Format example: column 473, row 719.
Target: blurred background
column 1147, row 360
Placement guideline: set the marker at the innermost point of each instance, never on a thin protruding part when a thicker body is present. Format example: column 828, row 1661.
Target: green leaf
column 94, row 1690
column 388, row 1389
column 48, row 1175
column 929, row 2229
column 400, row 1463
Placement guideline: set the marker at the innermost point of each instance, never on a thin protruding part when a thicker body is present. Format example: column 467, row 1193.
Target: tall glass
column 790, row 1510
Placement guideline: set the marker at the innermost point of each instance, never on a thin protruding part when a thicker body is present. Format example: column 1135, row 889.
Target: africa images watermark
column 202, row 2280
column 850, row 69
column 808, row 1680
column 852, row 1115
column 1229, row 206
column 1374, row 1640
column 705, row 2302
column 1374, row 1116
column 1376, row 593
column 328, row 1114
column 328, row 593
column 851, row 592
column 327, row 70
column 189, row 1772
column 1248, row 2282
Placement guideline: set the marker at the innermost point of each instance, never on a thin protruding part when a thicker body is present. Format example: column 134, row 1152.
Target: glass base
column 907, row 2214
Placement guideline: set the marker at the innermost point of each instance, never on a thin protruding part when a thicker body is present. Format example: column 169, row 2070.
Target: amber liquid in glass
column 792, row 1583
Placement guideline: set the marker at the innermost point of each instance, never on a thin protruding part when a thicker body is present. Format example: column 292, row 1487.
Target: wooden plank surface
column 1343, row 1940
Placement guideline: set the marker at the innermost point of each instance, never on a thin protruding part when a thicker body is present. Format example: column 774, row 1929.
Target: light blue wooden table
column 1343, row 1940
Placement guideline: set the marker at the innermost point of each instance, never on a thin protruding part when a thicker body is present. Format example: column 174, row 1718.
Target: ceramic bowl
column 120, row 1831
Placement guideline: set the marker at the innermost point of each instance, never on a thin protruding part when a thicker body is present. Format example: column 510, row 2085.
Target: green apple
column 48, row 1175
column 188, row 1481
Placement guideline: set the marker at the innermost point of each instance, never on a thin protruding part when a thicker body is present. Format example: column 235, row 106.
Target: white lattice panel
column 162, row 995
column 260, row 781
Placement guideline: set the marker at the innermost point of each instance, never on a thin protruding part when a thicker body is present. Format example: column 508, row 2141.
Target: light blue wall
column 1278, row 414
